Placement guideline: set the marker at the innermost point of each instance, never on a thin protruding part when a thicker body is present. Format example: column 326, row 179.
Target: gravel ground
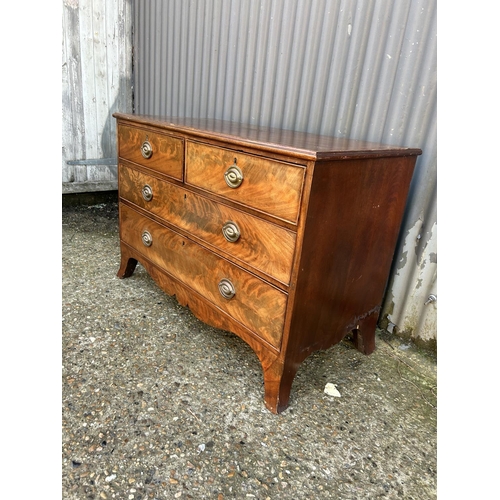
column 158, row 405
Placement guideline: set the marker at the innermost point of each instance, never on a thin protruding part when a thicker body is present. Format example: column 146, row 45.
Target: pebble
column 331, row 390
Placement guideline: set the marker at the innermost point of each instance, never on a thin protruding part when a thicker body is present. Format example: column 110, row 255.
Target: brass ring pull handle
column 231, row 231
column 147, row 192
column 233, row 176
column 147, row 239
column 146, row 149
column 226, row 289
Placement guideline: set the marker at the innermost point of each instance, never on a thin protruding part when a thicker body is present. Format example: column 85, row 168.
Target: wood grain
column 292, row 143
column 168, row 151
column 270, row 186
column 257, row 305
column 347, row 251
column 337, row 206
column 199, row 305
column 262, row 245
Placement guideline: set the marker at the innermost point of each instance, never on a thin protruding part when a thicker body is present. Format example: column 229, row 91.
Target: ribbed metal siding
column 363, row 69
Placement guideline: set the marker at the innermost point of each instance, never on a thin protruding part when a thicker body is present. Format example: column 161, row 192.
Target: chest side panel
column 352, row 224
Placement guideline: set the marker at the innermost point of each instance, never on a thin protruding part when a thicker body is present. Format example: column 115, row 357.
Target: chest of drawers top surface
column 284, row 238
column 299, row 144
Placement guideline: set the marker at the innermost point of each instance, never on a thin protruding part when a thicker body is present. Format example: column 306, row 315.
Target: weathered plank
column 96, row 81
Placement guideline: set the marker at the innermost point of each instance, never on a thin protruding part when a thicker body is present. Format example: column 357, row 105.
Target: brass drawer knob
column 231, row 231
column 147, row 239
column 146, row 149
column 226, row 289
column 147, row 192
column 233, row 176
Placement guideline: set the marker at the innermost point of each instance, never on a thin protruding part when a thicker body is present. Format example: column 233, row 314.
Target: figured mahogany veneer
column 168, row 155
column 284, row 238
column 271, row 186
column 203, row 219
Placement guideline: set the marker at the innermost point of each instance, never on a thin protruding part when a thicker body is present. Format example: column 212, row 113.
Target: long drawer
column 161, row 152
column 249, row 300
column 258, row 243
column 267, row 185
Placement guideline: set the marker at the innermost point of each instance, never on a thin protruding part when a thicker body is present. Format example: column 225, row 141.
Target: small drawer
column 267, row 185
column 154, row 150
column 258, row 243
column 249, row 300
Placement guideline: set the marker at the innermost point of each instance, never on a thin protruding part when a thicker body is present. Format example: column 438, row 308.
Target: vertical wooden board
column 112, row 75
column 96, row 75
column 67, row 122
column 119, row 69
column 100, row 79
column 73, row 128
column 101, row 69
column 88, row 79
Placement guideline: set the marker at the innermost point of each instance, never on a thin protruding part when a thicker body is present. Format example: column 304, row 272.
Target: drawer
column 261, row 244
column 267, row 185
column 255, row 304
column 157, row 151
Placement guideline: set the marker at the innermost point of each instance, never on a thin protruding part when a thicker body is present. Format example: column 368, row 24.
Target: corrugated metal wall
column 96, row 81
column 364, row 69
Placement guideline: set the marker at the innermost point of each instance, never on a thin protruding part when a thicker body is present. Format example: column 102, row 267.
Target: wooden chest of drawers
column 283, row 238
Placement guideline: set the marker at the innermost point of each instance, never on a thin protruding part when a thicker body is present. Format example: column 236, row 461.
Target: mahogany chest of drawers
column 285, row 239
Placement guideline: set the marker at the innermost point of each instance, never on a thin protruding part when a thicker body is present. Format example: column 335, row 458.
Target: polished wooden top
column 299, row 144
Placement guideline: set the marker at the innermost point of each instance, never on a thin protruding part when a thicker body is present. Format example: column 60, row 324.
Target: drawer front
column 255, row 304
column 160, row 152
column 260, row 244
column 270, row 186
